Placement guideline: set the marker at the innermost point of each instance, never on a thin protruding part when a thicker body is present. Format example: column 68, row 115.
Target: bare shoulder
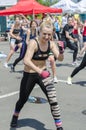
column 32, row 44
column 52, row 44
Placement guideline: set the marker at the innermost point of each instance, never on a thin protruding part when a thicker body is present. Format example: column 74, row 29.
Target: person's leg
column 21, row 56
column 83, row 49
column 58, row 34
column 80, row 67
column 12, row 46
column 53, row 67
column 73, row 46
column 26, row 86
column 77, row 69
column 48, row 88
column 15, row 63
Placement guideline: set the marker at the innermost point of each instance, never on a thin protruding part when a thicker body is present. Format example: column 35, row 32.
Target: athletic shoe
column 12, row 68
column 14, row 121
column 2, row 55
column 60, row 128
column 32, row 99
column 69, row 80
column 55, row 80
column 6, row 65
column 75, row 63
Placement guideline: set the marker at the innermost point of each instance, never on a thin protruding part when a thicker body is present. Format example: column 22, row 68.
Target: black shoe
column 60, row 128
column 14, row 121
column 12, row 68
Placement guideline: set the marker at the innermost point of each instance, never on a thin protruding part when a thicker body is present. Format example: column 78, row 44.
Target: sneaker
column 2, row 55
column 69, row 80
column 75, row 63
column 14, row 121
column 6, row 65
column 55, row 80
column 60, row 128
column 12, row 68
column 32, row 99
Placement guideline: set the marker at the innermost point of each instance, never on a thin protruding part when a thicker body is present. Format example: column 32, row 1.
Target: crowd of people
column 40, row 42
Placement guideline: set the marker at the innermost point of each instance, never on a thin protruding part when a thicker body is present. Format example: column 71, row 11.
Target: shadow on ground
column 81, row 83
column 33, row 123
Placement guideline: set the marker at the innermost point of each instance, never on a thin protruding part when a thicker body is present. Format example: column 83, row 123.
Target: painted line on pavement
column 9, row 94
column 13, row 93
column 64, row 81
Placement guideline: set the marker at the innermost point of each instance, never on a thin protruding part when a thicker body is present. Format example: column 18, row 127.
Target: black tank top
column 16, row 31
column 33, row 36
column 41, row 55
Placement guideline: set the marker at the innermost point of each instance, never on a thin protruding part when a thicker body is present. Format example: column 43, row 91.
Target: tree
column 47, row 2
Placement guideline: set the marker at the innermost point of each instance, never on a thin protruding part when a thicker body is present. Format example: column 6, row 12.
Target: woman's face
column 33, row 25
column 17, row 20
column 46, row 34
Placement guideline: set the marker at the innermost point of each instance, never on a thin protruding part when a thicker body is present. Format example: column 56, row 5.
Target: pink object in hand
column 45, row 74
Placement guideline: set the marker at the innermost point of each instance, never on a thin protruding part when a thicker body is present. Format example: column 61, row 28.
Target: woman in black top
column 35, row 71
column 15, row 39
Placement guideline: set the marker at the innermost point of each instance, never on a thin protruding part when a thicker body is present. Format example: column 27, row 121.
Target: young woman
column 35, row 72
column 84, row 40
column 15, row 39
column 26, row 35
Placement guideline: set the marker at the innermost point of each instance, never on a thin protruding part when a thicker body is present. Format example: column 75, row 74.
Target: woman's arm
column 24, row 17
column 28, row 36
column 56, row 52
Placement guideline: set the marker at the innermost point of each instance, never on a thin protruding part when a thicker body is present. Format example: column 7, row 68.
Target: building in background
column 6, row 3
column 3, row 21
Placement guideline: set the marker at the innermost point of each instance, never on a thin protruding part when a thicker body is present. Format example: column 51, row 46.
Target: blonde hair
column 46, row 23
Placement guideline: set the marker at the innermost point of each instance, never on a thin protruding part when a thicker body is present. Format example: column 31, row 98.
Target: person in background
column 69, row 39
column 57, row 27
column 77, row 32
column 64, row 19
column 23, row 35
column 84, row 40
column 15, row 39
column 77, row 69
column 52, row 58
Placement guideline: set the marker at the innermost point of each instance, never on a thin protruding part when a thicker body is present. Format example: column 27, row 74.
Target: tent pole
column 33, row 15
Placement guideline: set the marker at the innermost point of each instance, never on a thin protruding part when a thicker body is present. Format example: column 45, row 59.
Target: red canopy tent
column 28, row 7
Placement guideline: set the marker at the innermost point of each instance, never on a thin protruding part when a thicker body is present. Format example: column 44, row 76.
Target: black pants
column 72, row 46
column 27, row 84
column 80, row 67
column 58, row 34
column 22, row 54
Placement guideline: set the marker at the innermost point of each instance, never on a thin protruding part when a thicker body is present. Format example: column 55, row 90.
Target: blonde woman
column 35, row 72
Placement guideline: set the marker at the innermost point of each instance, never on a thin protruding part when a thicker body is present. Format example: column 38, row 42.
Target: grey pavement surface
column 71, row 98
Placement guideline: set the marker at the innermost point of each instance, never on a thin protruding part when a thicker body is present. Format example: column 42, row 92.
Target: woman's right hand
column 44, row 74
column 18, row 38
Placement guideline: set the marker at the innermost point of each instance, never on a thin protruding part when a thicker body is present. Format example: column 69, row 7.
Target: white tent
column 82, row 6
column 67, row 6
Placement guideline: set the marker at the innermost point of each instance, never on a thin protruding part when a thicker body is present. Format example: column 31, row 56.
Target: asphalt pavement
column 37, row 116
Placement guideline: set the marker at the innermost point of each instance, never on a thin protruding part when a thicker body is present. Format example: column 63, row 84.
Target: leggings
column 80, row 67
column 72, row 46
column 22, row 54
column 27, row 84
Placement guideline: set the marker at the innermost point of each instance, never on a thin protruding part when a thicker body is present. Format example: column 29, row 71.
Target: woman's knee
column 52, row 60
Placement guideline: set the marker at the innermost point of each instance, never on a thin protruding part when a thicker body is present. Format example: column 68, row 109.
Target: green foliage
column 47, row 2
